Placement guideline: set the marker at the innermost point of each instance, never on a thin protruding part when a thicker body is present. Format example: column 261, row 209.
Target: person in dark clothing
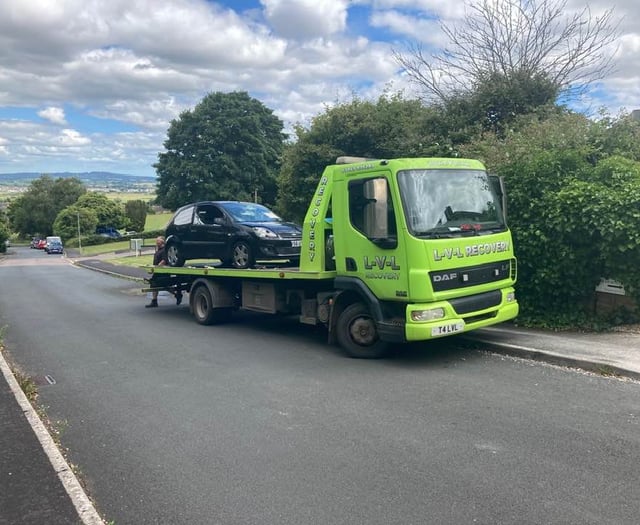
column 159, row 259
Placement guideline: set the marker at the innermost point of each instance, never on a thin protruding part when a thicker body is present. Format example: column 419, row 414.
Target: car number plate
column 447, row 329
column 296, row 244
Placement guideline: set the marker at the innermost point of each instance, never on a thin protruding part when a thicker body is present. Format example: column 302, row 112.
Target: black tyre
column 202, row 307
column 357, row 333
column 242, row 256
column 173, row 255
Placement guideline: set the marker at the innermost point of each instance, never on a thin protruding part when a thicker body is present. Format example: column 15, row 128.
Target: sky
column 92, row 85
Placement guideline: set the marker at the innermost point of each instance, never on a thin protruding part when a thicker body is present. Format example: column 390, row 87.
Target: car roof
column 221, row 203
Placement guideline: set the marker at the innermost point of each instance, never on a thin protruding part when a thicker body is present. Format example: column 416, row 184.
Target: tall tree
column 34, row 212
column 227, row 147
column 75, row 221
column 387, row 128
column 515, row 40
column 136, row 212
column 4, row 231
column 107, row 211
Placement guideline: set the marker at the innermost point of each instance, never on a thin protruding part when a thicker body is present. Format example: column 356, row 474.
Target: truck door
column 375, row 250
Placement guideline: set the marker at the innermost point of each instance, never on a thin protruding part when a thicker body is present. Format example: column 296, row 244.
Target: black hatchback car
column 237, row 233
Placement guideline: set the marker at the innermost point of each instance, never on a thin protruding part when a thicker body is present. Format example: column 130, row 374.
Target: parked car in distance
column 108, row 231
column 42, row 243
column 50, row 239
column 54, row 247
column 34, row 242
column 237, row 233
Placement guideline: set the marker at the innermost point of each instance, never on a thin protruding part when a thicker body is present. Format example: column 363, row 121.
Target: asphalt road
column 261, row 422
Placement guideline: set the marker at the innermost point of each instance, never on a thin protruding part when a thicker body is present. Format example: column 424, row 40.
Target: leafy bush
column 574, row 210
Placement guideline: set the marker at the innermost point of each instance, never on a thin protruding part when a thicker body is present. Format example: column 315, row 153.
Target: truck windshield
column 448, row 203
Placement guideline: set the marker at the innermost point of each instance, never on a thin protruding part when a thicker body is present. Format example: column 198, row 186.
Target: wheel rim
column 172, row 255
column 241, row 255
column 363, row 331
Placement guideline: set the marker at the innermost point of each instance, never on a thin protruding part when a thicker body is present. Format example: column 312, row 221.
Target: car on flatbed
column 237, row 233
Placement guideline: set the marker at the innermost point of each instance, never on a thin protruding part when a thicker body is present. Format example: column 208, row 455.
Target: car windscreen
column 249, row 212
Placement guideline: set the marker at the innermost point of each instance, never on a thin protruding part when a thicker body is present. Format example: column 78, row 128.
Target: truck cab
column 423, row 241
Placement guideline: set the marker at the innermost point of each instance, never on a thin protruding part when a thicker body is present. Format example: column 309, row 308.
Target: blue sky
column 93, row 86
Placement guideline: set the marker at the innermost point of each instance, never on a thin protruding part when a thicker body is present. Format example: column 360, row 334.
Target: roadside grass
column 109, row 247
column 132, row 260
column 156, row 221
column 147, row 260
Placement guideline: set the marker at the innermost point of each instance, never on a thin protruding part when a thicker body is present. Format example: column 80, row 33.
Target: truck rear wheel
column 357, row 334
column 203, row 310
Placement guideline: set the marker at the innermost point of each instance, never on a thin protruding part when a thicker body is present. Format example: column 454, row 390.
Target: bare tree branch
column 515, row 37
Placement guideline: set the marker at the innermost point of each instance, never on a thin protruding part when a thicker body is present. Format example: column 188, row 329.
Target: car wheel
column 204, row 313
column 242, row 255
column 357, row 333
column 174, row 256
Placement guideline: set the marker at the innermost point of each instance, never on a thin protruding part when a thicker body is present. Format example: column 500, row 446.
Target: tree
column 497, row 101
column 227, row 147
column 107, row 211
column 4, row 231
column 75, row 220
column 390, row 127
column 136, row 213
column 34, row 212
column 515, row 41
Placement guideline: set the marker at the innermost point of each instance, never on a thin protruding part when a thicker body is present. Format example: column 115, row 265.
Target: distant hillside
column 91, row 178
column 17, row 183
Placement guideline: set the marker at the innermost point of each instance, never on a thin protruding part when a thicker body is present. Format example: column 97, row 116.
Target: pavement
column 37, row 486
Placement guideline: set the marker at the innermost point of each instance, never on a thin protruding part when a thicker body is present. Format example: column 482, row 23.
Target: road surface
column 261, row 422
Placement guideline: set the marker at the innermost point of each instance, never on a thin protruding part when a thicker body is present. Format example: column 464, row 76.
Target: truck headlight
column 427, row 315
column 510, row 297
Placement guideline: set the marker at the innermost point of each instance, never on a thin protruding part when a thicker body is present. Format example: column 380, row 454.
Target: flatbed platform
column 260, row 272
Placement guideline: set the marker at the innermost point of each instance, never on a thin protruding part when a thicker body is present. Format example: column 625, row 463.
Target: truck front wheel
column 203, row 310
column 357, row 334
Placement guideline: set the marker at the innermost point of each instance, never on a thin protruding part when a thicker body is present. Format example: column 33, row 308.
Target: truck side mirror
column 498, row 183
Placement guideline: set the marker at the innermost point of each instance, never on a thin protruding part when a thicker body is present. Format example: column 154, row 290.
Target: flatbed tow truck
column 393, row 251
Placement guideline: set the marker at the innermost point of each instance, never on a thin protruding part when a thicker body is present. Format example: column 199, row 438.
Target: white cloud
column 141, row 62
column 53, row 115
column 425, row 30
column 306, row 19
column 70, row 137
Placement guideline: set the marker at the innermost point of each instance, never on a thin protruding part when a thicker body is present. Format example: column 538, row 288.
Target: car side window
column 183, row 217
column 207, row 214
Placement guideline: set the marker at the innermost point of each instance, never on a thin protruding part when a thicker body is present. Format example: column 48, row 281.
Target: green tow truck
column 392, row 251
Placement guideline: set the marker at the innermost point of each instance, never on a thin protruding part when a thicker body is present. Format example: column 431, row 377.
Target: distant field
column 157, row 221
column 125, row 196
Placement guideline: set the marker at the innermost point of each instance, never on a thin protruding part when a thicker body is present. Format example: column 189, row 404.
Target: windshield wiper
column 443, row 232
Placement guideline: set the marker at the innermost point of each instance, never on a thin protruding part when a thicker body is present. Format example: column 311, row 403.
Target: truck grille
column 471, row 275
column 474, row 303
